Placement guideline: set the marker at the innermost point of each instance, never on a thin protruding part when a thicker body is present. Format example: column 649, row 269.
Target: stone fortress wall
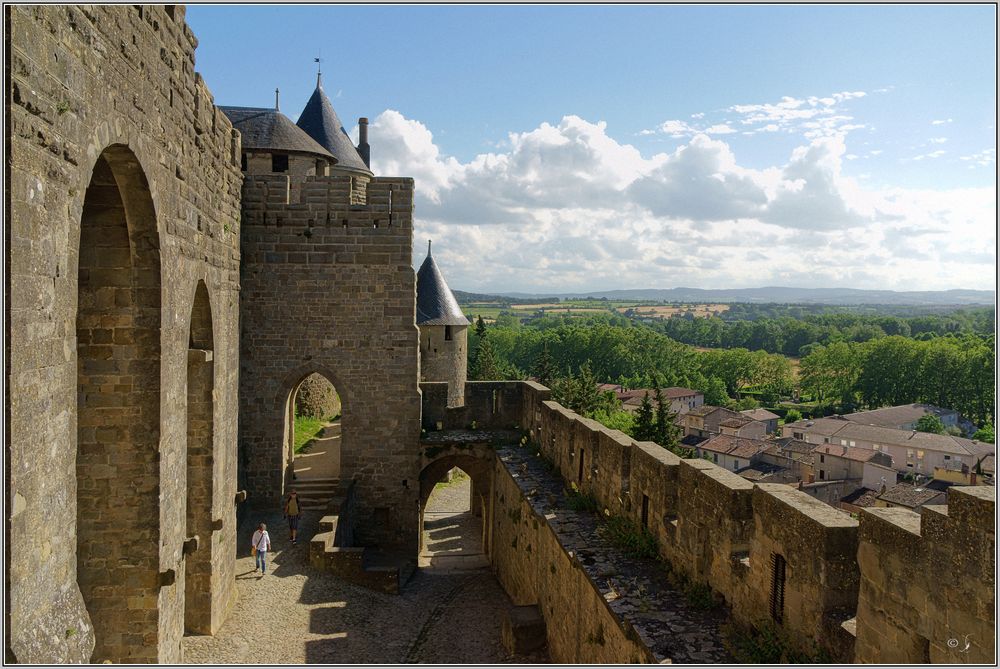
column 124, row 245
column 895, row 587
column 328, row 287
column 123, row 189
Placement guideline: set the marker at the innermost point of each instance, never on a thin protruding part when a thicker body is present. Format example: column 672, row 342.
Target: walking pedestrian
column 260, row 545
column 292, row 513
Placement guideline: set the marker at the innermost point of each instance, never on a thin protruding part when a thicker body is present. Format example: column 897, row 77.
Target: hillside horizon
column 765, row 294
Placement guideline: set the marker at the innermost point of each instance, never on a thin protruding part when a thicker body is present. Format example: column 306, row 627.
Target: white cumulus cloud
column 566, row 207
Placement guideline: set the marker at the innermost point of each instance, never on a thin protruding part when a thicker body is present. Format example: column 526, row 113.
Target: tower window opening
column 243, row 162
column 447, row 333
column 279, row 162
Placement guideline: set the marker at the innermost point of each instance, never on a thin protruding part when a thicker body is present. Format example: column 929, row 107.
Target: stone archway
column 315, row 426
column 463, row 527
column 118, row 409
column 198, row 586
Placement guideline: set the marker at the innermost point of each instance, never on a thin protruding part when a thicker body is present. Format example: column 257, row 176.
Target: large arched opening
column 313, row 439
column 200, row 461
column 453, row 534
column 118, row 409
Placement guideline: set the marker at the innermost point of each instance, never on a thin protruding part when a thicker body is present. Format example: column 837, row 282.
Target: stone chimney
column 363, row 148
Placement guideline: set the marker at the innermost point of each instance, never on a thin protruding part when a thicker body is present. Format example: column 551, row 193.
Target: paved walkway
column 299, row 615
column 452, row 535
column 321, row 457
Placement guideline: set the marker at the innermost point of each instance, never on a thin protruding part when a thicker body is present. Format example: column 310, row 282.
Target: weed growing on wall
column 766, row 643
column 630, row 537
column 579, row 501
column 698, row 595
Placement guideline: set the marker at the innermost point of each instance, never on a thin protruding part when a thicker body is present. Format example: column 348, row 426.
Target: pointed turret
column 320, row 121
column 436, row 305
column 443, row 332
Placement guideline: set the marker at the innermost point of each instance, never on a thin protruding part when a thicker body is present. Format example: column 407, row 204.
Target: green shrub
column 627, row 535
column 578, row 501
column 700, row 596
column 766, row 643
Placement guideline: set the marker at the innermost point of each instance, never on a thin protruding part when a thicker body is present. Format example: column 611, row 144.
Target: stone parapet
column 927, row 582
column 599, row 605
column 908, row 586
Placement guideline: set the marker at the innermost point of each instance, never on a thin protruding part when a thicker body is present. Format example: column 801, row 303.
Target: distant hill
column 776, row 294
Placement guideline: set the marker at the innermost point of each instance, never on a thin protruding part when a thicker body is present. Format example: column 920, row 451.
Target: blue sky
column 881, row 117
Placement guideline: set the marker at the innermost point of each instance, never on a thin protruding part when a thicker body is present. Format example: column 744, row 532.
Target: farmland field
column 668, row 311
column 491, row 310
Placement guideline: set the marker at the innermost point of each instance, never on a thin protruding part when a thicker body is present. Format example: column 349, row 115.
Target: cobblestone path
column 299, row 615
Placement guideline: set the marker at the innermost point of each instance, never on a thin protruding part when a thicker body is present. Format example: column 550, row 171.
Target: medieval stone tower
column 443, row 332
column 327, row 287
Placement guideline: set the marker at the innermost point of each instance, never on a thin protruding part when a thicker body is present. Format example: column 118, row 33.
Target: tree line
column 955, row 372
column 952, row 371
column 615, row 350
column 795, row 336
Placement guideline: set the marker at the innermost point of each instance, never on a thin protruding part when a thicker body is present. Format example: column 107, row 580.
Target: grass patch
column 579, row 501
column 306, row 429
column 766, row 643
column 698, row 595
column 630, row 537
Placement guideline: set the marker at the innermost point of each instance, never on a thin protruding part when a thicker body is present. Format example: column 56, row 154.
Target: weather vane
column 319, row 66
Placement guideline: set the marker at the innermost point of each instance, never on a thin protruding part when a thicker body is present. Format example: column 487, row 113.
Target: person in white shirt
column 261, row 542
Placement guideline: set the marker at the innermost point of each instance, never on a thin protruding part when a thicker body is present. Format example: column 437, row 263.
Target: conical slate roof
column 269, row 130
column 435, row 303
column 321, row 122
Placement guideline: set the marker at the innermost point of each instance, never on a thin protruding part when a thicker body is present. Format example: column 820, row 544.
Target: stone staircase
column 316, row 493
column 331, row 550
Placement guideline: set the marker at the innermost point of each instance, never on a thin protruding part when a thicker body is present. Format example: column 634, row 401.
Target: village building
column 770, row 420
column 731, row 452
column 704, row 420
column 742, row 426
column 911, row 451
column 904, row 416
column 912, row 497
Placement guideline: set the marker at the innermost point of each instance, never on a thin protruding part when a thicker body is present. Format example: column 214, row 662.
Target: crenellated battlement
column 910, row 584
column 331, row 201
column 927, row 581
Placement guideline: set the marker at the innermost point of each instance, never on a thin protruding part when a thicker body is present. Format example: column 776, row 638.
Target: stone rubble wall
column 83, row 79
column 328, row 287
column 912, row 585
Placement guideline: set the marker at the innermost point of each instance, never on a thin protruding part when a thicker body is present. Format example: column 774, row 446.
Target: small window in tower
column 279, row 162
column 243, row 162
column 320, row 168
column 447, row 333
